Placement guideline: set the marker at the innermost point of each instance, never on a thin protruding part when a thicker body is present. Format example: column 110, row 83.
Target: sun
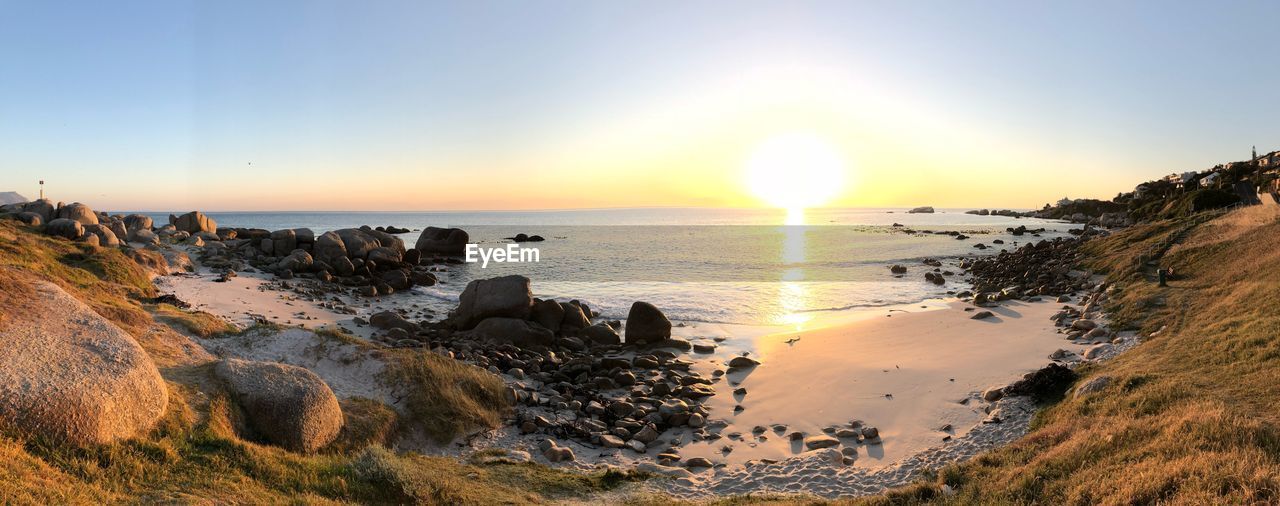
column 794, row 171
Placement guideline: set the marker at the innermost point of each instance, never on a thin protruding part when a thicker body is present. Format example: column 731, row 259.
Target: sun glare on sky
column 795, row 171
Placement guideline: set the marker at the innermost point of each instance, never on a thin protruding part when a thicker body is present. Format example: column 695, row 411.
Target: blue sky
column 509, row 105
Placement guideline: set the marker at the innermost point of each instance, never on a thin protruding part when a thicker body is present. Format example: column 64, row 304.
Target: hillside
column 200, row 448
column 1189, row 415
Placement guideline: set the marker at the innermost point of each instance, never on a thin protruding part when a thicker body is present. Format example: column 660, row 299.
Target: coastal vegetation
column 1187, row 416
column 197, row 451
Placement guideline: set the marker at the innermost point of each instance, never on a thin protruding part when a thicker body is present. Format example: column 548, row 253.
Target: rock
column 1094, row 385
column 672, row 407
column 602, row 333
column 574, row 318
column 898, row 269
column 514, row 331
column 297, row 261
column 870, row 433
column 397, row 279
column 704, row 348
column 78, row 212
column 611, row 441
column 645, row 323
column 556, row 453
column 178, row 260
column 89, row 239
column 820, row 441
column 661, row 470
column 993, row 394
column 981, row 315
column 193, row 222
column 506, row 296
column 358, row 243
column 443, row 241
column 70, row 375
column 144, row 236
column 547, row 313
column 65, row 228
column 1083, row 324
column 646, row 435
column 423, row 278
column 1096, row 333
column 384, row 255
column 1048, row 383
column 1099, row 351
column 697, row 420
column 742, row 362
column 33, row 219
column 42, row 207
column 387, row 320
column 920, row 210
column 697, row 462
column 412, row 257
column 637, row 446
column 288, row 405
column 328, row 248
column 283, row 242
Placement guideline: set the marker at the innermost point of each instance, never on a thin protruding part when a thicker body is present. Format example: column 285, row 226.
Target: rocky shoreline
column 578, row 382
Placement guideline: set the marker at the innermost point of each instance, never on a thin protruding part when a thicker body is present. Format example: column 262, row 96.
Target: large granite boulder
column 514, row 331
column 105, row 236
column 193, row 222
column 283, row 242
column 328, row 248
column 646, row 324
column 44, row 207
column 357, row 242
column 68, row 374
column 506, row 296
column 134, row 222
column 285, row 404
column 65, row 228
column 547, row 313
column 443, row 241
column 386, row 240
column 79, row 212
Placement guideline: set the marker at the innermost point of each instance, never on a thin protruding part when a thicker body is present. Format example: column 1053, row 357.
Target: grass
column 198, row 323
column 194, row 454
column 445, row 397
column 1190, row 416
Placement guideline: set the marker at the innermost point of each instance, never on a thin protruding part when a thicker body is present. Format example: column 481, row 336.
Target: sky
column 416, row 105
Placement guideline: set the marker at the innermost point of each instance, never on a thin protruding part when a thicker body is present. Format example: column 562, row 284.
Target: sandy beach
column 915, row 373
column 906, row 373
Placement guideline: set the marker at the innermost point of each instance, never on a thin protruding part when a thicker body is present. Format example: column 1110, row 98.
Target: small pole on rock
column 1161, row 274
column 41, row 189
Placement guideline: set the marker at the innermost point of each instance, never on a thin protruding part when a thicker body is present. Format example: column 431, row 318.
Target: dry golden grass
column 1190, row 416
column 194, row 454
column 446, row 397
column 198, row 323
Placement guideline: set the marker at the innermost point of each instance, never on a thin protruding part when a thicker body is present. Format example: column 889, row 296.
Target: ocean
column 729, row 266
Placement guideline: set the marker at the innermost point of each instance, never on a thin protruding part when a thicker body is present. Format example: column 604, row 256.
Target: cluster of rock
column 1077, row 323
column 998, row 212
column 570, row 376
column 921, row 210
column 366, row 260
column 1046, row 267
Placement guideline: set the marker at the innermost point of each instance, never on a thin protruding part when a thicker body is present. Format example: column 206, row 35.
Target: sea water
column 732, row 266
